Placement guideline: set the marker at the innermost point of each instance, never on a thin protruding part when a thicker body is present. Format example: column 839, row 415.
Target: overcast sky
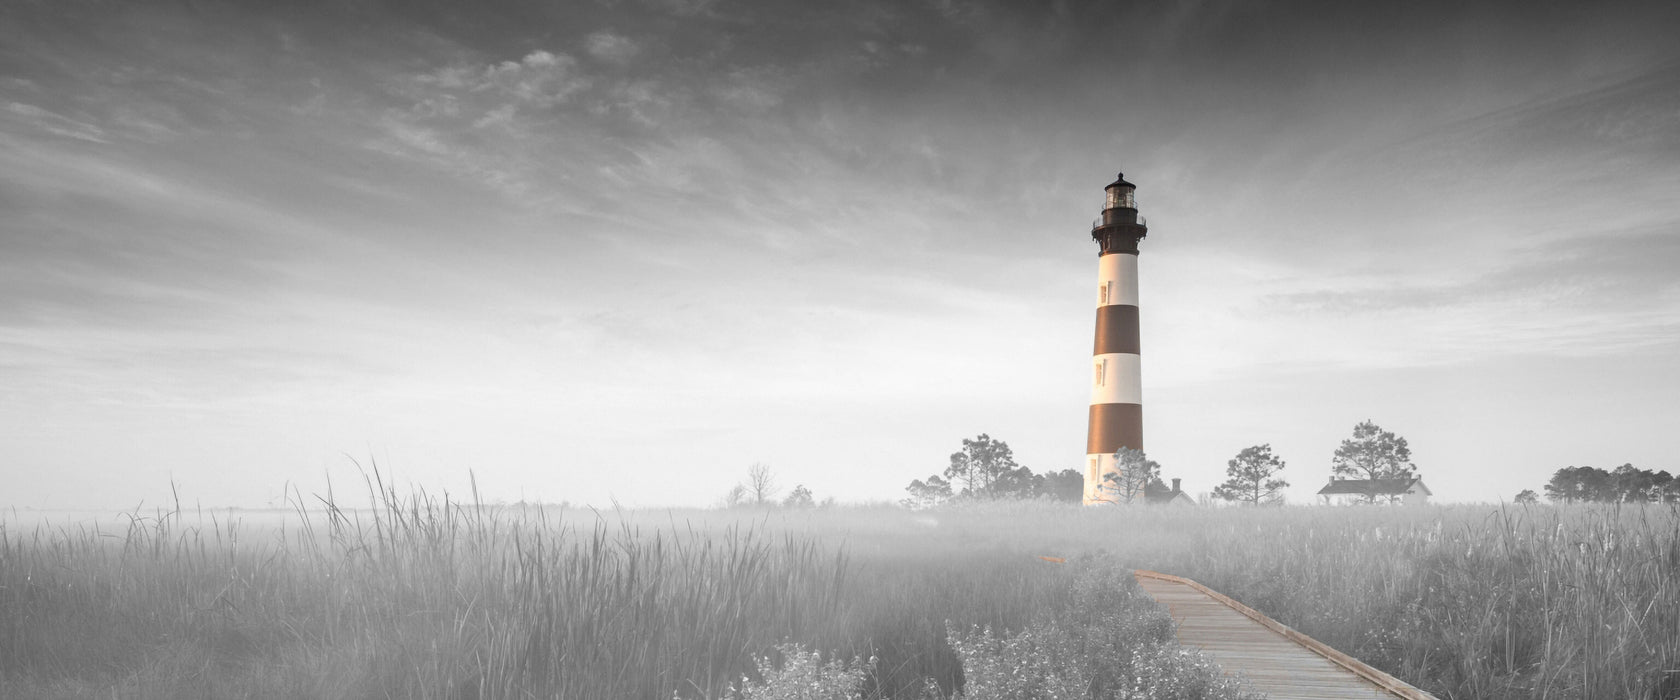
column 624, row 250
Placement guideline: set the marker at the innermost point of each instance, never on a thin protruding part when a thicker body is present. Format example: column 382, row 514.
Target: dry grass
column 1469, row 602
column 424, row 597
column 1466, row 601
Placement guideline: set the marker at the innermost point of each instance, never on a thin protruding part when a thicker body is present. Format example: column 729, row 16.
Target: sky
column 619, row 251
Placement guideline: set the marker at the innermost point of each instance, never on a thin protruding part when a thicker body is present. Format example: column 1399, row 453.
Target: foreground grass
column 1469, row 602
column 426, row 598
column 423, row 598
column 1463, row 601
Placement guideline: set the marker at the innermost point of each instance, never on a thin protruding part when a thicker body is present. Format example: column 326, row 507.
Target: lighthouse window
column 1126, row 200
column 1102, row 292
column 1113, row 199
column 1101, row 369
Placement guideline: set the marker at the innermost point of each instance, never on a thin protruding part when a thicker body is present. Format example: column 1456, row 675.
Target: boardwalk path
column 1271, row 658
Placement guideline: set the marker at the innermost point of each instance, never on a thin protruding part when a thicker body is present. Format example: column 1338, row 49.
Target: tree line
column 1624, row 484
column 761, row 490
column 985, row 469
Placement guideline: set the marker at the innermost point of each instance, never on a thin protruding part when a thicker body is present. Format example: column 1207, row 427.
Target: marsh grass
column 1468, row 601
column 422, row 596
column 1103, row 638
column 419, row 596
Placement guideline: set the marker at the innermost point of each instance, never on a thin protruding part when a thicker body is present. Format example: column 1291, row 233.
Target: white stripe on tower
column 1116, row 417
column 1117, row 279
column 1117, row 378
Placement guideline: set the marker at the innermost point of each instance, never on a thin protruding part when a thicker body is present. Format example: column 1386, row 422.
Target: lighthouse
column 1116, row 375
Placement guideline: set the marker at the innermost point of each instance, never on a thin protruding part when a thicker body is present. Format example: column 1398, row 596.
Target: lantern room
column 1120, row 194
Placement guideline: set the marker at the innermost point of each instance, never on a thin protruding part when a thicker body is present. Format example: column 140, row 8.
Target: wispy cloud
column 54, row 123
column 611, row 47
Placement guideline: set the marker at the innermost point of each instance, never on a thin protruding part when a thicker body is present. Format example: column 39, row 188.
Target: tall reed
column 426, row 597
column 1469, row 601
column 1472, row 602
column 423, row 596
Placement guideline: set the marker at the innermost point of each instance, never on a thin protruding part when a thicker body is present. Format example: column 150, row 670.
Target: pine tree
column 1249, row 477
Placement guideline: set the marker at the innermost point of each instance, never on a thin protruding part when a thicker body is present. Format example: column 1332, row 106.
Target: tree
column 761, row 484
column 1527, row 497
column 1565, row 485
column 1066, row 485
column 1627, row 484
column 1250, row 477
column 927, row 494
column 1019, row 482
column 736, row 496
column 1133, row 474
column 985, row 468
column 1373, row 453
column 1597, row 485
column 1634, row 485
column 799, row 497
column 1156, row 489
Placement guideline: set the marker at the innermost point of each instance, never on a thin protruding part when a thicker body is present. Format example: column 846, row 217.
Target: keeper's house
column 1407, row 491
column 1163, row 497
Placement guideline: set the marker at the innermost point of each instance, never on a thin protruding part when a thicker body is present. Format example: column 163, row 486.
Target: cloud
column 610, row 47
column 55, row 123
column 416, row 137
column 750, row 91
column 540, row 79
column 683, row 8
column 471, row 118
column 500, row 116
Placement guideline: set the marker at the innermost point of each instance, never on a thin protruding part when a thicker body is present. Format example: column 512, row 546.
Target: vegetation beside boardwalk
column 425, row 598
column 1471, row 601
column 1467, row 601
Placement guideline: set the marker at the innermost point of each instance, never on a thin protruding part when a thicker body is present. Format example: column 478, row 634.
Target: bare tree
column 737, row 494
column 1132, row 476
column 761, row 484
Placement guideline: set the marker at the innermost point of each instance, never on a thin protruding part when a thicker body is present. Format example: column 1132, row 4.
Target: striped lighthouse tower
column 1116, row 375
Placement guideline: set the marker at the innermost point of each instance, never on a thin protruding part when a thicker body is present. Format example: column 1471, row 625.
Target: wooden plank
column 1267, row 655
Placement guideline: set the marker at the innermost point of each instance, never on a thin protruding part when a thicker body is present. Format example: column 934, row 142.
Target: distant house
column 1410, row 491
column 1163, row 497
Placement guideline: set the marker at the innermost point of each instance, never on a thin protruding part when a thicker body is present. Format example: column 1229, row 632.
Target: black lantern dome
column 1120, row 194
column 1120, row 228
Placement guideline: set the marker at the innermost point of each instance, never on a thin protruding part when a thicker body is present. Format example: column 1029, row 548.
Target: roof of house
column 1374, row 487
column 1164, row 497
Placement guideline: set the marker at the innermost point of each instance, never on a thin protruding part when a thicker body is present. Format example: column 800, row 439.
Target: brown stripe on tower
column 1117, row 329
column 1113, row 426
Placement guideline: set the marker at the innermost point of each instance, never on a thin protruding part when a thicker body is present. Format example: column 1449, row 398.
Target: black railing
column 1098, row 222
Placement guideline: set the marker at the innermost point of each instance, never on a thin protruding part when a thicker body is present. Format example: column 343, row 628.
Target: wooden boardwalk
column 1270, row 657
